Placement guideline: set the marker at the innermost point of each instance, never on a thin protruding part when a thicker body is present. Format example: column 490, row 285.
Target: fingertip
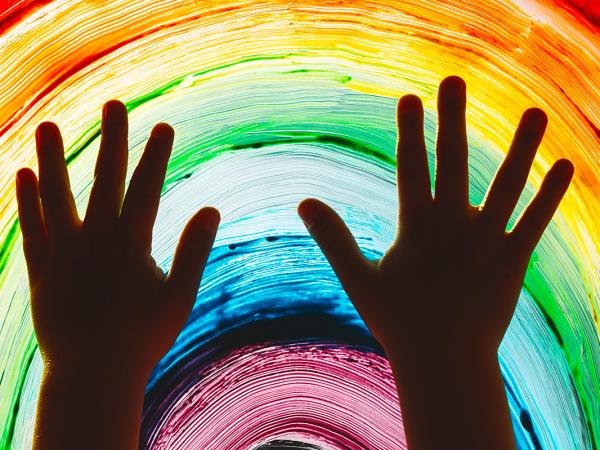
column 534, row 111
column 25, row 175
column 409, row 102
column 308, row 202
column 566, row 167
column 208, row 219
column 453, row 79
column 455, row 84
column 46, row 130
column 114, row 103
column 309, row 210
column 163, row 130
column 113, row 106
column 536, row 117
column 212, row 212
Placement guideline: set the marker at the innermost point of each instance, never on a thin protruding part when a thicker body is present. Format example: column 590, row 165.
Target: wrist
column 440, row 351
column 90, row 406
column 93, row 374
column 456, row 388
column 460, row 364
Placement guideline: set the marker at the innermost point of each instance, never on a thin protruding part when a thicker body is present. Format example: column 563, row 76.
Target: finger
column 531, row 225
column 338, row 245
column 413, row 172
column 190, row 257
column 60, row 212
column 143, row 195
column 510, row 179
column 451, row 174
column 111, row 168
column 31, row 219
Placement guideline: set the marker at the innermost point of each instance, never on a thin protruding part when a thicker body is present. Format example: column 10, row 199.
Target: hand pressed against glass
column 449, row 283
column 99, row 302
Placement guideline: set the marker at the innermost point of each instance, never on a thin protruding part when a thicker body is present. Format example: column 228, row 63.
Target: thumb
column 334, row 238
column 191, row 255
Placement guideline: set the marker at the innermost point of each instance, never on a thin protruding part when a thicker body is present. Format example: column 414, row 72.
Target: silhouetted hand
column 449, row 283
column 99, row 302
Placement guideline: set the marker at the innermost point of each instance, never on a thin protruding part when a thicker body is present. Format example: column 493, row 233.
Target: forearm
column 90, row 409
column 452, row 398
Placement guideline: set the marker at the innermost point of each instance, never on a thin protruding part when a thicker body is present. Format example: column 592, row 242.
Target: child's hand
column 453, row 274
column 450, row 281
column 99, row 302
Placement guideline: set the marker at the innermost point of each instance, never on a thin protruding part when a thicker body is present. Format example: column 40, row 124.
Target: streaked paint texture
column 273, row 101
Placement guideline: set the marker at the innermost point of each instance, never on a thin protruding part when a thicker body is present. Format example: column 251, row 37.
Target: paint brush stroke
column 275, row 101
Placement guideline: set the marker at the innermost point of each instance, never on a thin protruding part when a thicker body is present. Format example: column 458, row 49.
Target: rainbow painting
column 274, row 101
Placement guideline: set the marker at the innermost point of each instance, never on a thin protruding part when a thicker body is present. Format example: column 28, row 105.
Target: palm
column 94, row 309
column 454, row 279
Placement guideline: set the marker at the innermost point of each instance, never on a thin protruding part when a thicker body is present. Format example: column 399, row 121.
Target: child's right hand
column 103, row 312
column 449, row 283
